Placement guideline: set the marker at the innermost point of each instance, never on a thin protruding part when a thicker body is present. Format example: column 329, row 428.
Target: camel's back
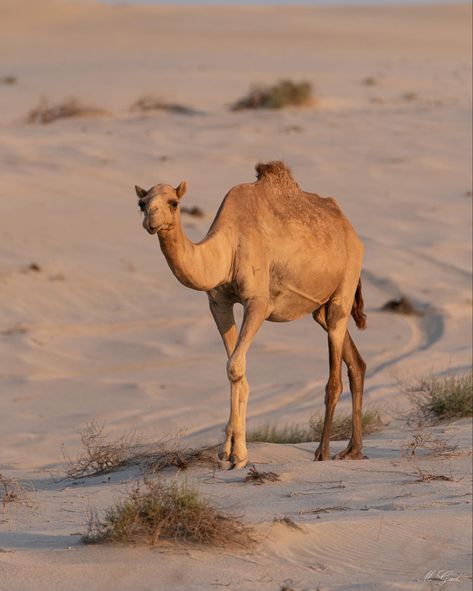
column 277, row 214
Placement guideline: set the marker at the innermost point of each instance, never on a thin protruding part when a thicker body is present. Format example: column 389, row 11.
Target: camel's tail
column 357, row 311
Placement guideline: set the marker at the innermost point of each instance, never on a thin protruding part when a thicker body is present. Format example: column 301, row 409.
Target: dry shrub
column 151, row 102
column 11, row 490
column 100, row 454
column 423, row 440
column 341, row 429
column 46, row 112
column 284, row 93
column 194, row 211
column 401, row 306
column 156, row 511
column 8, row 80
column 427, row 476
column 447, row 397
column 410, row 96
column 257, row 477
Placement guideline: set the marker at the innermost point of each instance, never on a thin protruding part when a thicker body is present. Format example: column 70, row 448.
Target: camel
column 282, row 253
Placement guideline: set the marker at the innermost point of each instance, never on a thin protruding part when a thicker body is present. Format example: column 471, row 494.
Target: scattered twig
column 427, row 476
column 257, row 477
column 318, row 510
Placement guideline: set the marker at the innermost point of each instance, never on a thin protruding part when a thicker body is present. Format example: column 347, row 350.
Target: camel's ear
column 140, row 192
column 181, row 190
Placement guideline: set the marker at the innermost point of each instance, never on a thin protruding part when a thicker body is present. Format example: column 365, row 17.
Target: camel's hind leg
column 356, row 375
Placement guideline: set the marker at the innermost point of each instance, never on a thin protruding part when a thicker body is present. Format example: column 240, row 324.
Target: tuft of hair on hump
column 278, row 174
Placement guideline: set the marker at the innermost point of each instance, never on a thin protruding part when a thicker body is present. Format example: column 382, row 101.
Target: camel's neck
column 200, row 266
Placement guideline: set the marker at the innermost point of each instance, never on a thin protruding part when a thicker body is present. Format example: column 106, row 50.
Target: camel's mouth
column 152, row 230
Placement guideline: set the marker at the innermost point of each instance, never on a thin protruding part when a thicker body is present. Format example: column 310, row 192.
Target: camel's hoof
column 225, row 465
column 321, row 456
column 239, row 464
column 224, row 456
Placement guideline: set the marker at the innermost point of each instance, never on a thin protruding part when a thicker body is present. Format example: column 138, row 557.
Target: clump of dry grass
column 403, row 305
column 101, row 454
column 194, row 211
column 277, row 434
column 257, row 477
column 447, row 397
column 8, row 80
column 284, row 93
column 46, row 112
column 11, row 490
column 156, row 511
column 410, row 96
column 341, row 429
column 152, row 102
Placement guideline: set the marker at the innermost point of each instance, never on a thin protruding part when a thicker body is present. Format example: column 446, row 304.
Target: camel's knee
column 236, row 368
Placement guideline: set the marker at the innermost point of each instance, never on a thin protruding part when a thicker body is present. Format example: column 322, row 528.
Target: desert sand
column 99, row 328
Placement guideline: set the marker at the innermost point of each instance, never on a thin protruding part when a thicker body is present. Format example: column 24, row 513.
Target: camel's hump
column 277, row 173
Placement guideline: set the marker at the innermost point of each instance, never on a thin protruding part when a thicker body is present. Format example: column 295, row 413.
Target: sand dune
column 101, row 329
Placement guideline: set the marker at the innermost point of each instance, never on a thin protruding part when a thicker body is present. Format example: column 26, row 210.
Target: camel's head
column 159, row 206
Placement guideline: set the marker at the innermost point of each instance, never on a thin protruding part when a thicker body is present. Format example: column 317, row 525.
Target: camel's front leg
column 256, row 311
column 225, row 321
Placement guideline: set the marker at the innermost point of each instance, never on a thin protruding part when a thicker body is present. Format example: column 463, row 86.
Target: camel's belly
column 290, row 306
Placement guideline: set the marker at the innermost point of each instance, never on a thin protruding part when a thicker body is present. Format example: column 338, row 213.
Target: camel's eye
column 142, row 206
column 173, row 203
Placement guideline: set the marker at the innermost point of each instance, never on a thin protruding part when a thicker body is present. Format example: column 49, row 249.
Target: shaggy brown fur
column 278, row 174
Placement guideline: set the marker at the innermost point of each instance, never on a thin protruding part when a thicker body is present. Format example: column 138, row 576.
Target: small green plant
column 284, row 93
column 341, row 429
column 46, row 112
column 446, row 397
column 156, row 511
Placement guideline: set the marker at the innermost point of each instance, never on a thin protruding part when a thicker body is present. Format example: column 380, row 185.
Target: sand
column 102, row 330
